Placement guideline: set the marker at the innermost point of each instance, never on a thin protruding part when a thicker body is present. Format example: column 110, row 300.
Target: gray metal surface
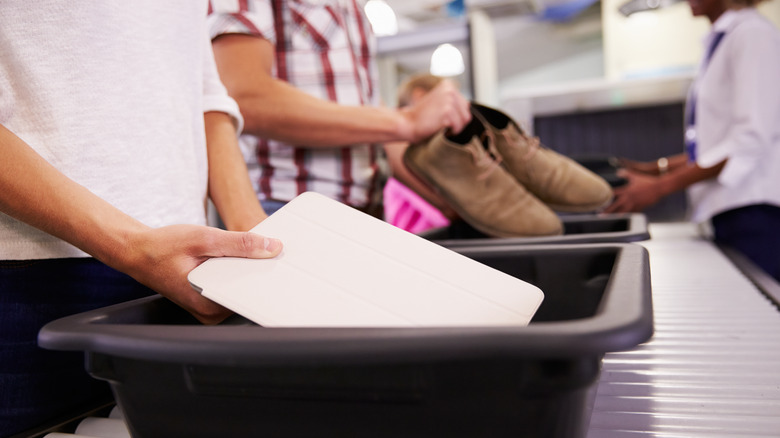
column 712, row 368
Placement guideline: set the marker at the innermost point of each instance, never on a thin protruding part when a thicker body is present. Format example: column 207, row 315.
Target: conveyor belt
column 712, row 369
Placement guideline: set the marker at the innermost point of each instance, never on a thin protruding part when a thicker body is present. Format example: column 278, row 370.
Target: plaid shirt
column 324, row 48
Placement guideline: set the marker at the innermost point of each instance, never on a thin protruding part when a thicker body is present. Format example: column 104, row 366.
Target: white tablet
column 343, row 268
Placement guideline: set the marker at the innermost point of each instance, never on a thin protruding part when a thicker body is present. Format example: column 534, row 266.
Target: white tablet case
column 343, row 268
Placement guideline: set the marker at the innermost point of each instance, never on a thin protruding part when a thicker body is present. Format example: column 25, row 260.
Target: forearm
column 642, row 190
column 229, row 186
column 34, row 192
column 683, row 174
column 273, row 108
column 660, row 166
column 282, row 112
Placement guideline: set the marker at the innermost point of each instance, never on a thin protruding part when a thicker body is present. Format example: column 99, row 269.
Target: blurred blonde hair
column 423, row 81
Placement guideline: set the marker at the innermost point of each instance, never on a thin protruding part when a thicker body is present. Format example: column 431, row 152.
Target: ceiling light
column 447, row 61
column 382, row 18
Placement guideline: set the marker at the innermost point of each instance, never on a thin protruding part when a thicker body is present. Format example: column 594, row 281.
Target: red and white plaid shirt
column 324, row 48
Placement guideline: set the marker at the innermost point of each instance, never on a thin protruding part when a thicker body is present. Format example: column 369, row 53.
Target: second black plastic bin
column 174, row 377
column 577, row 228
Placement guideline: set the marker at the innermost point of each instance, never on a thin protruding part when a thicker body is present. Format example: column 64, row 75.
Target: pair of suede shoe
column 503, row 182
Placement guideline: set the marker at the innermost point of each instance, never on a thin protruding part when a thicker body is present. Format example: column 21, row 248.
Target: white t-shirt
column 738, row 116
column 113, row 95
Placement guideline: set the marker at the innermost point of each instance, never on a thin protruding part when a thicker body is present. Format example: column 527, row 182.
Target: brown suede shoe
column 461, row 168
column 557, row 180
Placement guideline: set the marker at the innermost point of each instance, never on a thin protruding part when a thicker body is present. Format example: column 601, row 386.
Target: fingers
column 459, row 114
column 621, row 203
column 222, row 244
column 624, row 162
column 617, row 206
column 441, row 108
column 461, row 119
column 618, row 201
column 612, row 208
column 452, row 107
column 229, row 244
column 247, row 245
column 460, row 111
column 202, row 308
column 161, row 258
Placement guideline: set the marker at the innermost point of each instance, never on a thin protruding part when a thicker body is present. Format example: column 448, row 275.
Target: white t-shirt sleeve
column 215, row 96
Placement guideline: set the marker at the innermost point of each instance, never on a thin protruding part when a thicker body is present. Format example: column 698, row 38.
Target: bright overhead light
column 447, row 61
column 382, row 18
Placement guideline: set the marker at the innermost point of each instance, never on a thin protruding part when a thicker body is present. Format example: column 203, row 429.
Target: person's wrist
column 404, row 125
column 126, row 250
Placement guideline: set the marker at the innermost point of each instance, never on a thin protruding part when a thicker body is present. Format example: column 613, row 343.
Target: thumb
column 248, row 245
column 623, row 173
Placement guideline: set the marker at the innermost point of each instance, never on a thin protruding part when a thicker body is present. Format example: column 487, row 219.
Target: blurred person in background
column 305, row 78
column 731, row 165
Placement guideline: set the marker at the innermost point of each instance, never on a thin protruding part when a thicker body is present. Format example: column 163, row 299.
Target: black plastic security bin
column 577, row 228
column 174, row 377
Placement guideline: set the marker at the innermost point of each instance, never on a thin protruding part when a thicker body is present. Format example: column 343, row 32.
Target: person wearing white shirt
column 731, row 166
column 114, row 131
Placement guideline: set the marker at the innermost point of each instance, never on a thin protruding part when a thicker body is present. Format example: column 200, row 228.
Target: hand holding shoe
column 442, row 107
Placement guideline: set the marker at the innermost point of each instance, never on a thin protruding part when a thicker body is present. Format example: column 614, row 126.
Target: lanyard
column 690, row 116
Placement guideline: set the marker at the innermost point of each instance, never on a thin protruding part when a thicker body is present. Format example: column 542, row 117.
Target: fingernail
column 270, row 244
